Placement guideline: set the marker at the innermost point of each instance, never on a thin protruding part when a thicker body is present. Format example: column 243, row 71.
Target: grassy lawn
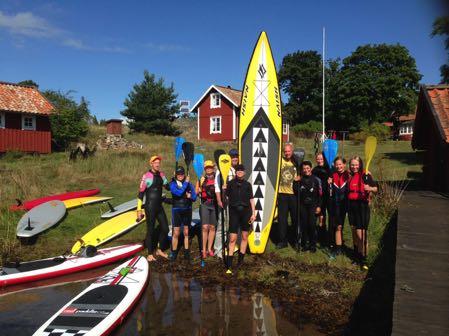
column 117, row 174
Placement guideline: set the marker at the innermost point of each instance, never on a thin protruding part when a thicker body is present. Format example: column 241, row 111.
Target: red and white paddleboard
column 28, row 205
column 53, row 267
column 102, row 306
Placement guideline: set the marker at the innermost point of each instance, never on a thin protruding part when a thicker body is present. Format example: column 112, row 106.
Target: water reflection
column 171, row 305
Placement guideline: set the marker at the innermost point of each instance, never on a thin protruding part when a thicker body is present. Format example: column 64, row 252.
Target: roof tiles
column 439, row 96
column 24, row 99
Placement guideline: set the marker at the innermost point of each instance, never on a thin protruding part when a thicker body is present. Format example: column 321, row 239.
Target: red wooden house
column 218, row 114
column 24, row 119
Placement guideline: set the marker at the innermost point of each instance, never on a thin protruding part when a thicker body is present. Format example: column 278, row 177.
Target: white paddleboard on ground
column 102, row 306
column 119, row 209
column 54, row 267
column 40, row 218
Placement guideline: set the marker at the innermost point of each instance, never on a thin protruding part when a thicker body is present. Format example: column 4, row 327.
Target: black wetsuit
column 310, row 199
column 151, row 187
column 239, row 194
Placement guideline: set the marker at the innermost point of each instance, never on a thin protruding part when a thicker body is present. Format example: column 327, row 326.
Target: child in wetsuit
column 322, row 171
column 183, row 194
column 309, row 203
column 242, row 213
column 361, row 185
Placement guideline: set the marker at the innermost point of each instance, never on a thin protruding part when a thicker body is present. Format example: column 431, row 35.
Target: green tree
column 374, row 82
column 69, row 122
column 151, row 107
column 29, row 82
column 441, row 27
column 300, row 78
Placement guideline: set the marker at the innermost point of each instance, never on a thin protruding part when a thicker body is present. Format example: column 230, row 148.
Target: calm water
column 170, row 306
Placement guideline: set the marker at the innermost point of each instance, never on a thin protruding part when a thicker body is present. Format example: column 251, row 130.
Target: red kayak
column 28, row 205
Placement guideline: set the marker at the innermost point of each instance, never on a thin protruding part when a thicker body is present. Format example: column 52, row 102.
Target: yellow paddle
column 224, row 164
column 370, row 149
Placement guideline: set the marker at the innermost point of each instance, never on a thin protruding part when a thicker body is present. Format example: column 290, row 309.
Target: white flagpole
column 324, row 58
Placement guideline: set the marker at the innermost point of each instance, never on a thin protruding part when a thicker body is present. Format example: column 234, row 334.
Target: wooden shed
column 114, row 126
column 24, row 119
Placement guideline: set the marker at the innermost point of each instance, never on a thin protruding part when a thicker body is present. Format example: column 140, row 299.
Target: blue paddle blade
column 330, row 150
column 178, row 147
column 198, row 164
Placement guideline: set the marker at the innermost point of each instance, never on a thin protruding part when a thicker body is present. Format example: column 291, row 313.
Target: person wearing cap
column 242, row 213
column 183, row 194
column 151, row 186
column 208, row 208
column 221, row 201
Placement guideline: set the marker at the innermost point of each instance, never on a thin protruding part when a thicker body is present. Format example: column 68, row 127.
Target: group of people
column 317, row 199
column 235, row 194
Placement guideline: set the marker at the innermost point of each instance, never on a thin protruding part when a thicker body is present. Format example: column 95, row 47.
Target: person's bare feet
column 161, row 254
column 151, row 258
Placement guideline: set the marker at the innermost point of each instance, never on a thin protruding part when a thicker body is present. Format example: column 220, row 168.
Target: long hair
column 359, row 159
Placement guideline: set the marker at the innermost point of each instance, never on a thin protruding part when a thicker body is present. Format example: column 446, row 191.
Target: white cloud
column 166, row 47
column 28, row 25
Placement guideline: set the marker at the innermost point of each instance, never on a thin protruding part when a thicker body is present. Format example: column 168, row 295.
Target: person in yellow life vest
column 287, row 202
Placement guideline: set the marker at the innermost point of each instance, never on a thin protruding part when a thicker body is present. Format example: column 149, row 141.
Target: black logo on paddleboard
column 262, row 71
column 244, row 100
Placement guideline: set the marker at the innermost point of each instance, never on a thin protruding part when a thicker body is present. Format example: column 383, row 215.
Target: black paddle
column 217, row 154
column 188, row 149
column 298, row 158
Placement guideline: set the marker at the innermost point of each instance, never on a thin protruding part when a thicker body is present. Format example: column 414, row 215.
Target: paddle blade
column 370, row 149
column 198, row 164
column 188, row 149
column 330, row 150
column 224, row 164
column 298, row 156
column 178, row 147
column 217, row 155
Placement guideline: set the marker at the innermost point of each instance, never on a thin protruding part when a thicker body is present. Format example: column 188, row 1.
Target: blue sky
column 99, row 49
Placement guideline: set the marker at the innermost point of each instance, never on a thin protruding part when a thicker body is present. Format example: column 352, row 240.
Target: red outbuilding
column 24, row 119
column 218, row 114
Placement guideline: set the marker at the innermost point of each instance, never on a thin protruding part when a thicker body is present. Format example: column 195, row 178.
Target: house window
column 215, row 100
column 284, row 129
column 28, row 122
column 406, row 129
column 215, row 125
column 2, row 120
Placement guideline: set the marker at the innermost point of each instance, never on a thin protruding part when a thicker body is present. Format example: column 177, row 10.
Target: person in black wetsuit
column 310, row 199
column 151, row 186
column 242, row 212
column 322, row 171
column 183, row 194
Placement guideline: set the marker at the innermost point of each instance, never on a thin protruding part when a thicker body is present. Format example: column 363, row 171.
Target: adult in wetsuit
column 242, row 212
column 183, row 194
column 151, row 186
column 322, row 171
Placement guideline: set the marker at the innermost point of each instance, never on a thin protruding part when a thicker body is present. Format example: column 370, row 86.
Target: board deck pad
column 121, row 208
column 103, row 304
column 260, row 139
column 40, row 218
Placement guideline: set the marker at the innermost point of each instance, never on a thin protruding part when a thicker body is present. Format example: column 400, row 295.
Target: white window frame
column 285, row 129
column 2, row 120
column 212, row 125
column 213, row 96
column 33, row 122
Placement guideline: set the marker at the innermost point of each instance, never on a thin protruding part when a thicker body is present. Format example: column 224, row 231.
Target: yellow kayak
column 77, row 202
column 108, row 230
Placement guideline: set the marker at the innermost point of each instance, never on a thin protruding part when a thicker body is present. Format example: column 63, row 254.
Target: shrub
column 380, row 131
column 308, row 129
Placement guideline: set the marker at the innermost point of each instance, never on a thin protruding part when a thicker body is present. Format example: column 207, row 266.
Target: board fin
column 111, row 208
column 29, row 227
column 19, row 202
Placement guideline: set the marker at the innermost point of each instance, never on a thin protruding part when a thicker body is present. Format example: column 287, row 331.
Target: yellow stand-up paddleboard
column 77, row 202
column 108, row 230
column 260, row 139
